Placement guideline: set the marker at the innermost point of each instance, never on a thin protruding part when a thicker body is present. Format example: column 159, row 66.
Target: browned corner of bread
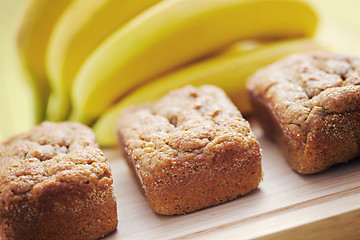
column 310, row 105
column 55, row 183
column 190, row 150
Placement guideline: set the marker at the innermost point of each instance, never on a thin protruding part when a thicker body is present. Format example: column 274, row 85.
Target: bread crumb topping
column 50, row 154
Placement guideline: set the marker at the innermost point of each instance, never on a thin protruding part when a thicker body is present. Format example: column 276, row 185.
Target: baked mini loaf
column 190, row 150
column 310, row 105
column 55, row 183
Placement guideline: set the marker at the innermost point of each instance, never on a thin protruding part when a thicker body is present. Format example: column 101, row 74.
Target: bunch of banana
column 100, row 56
column 173, row 33
column 78, row 32
column 36, row 25
column 17, row 108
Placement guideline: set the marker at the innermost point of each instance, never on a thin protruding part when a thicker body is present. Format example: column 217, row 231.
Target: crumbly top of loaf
column 301, row 83
column 187, row 125
column 51, row 153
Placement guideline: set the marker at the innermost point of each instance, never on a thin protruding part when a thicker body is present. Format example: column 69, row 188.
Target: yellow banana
column 79, row 30
column 173, row 33
column 16, row 93
column 37, row 22
column 227, row 72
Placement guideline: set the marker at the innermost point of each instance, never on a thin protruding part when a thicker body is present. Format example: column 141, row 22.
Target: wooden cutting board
column 286, row 205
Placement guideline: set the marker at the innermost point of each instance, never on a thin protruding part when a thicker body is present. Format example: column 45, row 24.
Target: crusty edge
column 304, row 153
column 60, row 212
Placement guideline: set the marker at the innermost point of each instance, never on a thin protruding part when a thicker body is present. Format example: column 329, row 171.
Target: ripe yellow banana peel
column 81, row 28
column 17, row 103
column 173, row 33
column 35, row 28
column 228, row 71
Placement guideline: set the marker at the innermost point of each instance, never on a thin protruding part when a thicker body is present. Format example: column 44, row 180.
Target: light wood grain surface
column 286, row 205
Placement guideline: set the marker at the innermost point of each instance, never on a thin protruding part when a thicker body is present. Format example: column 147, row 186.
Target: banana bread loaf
column 310, row 105
column 190, row 150
column 55, row 183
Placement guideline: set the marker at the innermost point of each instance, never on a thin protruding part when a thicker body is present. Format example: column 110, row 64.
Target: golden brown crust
column 55, row 183
column 310, row 105
column 190, row 150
